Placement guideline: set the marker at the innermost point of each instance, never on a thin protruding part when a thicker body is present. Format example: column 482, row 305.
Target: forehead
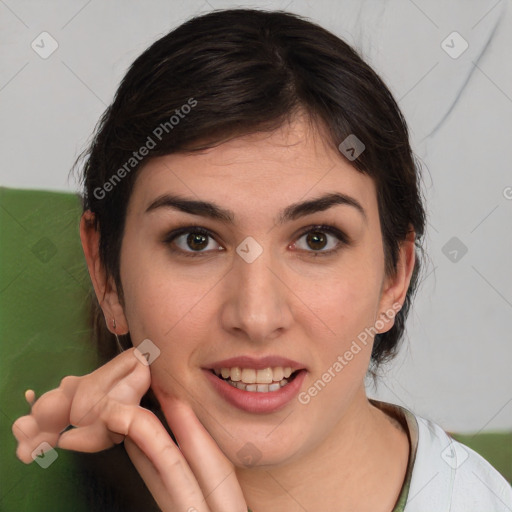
column 258, row 171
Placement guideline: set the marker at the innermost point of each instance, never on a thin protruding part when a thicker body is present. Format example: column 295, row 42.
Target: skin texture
column 291, row 302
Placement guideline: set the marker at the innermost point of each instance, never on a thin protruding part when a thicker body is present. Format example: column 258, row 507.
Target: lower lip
column 255, row 402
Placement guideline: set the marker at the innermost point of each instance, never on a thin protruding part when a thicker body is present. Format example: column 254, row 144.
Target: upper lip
column 258, row 363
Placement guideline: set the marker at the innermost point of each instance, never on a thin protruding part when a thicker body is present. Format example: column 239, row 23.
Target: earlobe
column 104, row 286
column 395, row 289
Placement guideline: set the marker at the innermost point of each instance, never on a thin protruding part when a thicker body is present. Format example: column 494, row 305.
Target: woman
column 251, row 217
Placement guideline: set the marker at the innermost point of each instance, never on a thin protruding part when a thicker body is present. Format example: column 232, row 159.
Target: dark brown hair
column 234, row 72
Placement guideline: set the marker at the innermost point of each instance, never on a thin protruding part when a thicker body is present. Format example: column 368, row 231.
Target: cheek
column 163, row 311
column 348, row 306
column 349, row 301
column 342, row 356
column 158, row 298
column 171, row 309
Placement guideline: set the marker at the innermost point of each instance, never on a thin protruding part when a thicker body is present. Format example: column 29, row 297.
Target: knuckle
column 116, row 418
column 24, row 427
column 68, row 382
column 173, row 460
column 22, row 454
column 17, row 428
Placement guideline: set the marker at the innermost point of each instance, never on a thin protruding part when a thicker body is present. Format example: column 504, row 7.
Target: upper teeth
column 252, row 376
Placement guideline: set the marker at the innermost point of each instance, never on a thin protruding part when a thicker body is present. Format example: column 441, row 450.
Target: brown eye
column 321, row 240
column 191, row 241
column 316, row 240
column 197, row 241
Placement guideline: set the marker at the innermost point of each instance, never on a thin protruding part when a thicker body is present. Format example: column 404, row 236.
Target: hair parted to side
column 242, row 71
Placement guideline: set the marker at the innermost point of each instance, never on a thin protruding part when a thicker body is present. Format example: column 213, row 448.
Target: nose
column 257, row 301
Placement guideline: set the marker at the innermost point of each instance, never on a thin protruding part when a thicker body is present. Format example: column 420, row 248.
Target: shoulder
column 450, row 477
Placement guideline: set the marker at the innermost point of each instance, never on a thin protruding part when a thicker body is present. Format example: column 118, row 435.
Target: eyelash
column 343, row 239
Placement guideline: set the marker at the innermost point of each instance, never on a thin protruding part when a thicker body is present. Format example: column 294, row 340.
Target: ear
column 394, row 288
column 105, row 289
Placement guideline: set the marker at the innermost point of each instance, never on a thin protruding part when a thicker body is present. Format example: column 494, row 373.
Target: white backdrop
column 451, row 72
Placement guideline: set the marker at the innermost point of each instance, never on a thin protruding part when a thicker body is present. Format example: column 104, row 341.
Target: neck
column 360, row 465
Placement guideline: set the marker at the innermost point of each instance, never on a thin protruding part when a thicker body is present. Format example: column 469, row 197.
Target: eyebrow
column 291, row 212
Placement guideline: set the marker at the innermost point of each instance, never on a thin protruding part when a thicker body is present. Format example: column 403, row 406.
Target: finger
column 51, row 411
column 213, row 470
column 30, row 396
column 92, row 438
column 33, row 429
column 124, row 379
column 150, row 475
column 29, row 437
column 25, row 428
column 126, row 374
column 148, row 433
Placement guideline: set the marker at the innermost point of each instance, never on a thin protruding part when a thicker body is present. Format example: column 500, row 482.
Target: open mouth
column 259, row 381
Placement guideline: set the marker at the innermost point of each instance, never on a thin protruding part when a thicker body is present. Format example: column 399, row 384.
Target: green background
column 45, row 335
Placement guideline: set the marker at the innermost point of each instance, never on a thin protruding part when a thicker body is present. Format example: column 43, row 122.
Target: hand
column 103, row 406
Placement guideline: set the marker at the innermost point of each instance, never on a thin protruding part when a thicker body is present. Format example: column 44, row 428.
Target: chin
column 257, row 446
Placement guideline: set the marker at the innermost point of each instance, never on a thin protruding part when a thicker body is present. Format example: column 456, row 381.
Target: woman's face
column 266, row 286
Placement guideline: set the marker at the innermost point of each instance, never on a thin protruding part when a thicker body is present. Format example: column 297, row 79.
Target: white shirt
column 448, row 476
